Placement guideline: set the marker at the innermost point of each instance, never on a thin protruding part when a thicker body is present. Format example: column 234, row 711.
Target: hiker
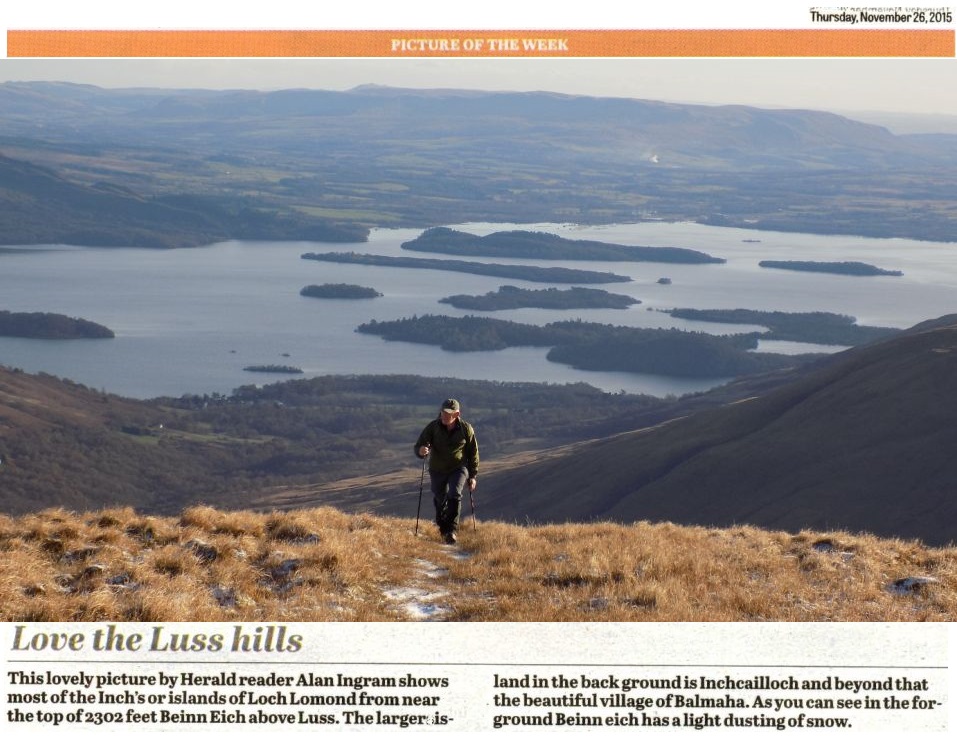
column 450, row 444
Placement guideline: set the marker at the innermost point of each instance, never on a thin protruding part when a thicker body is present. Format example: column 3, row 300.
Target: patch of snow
column 911, row 584
column 828, row 546
column 417, row 603
column 430, row 569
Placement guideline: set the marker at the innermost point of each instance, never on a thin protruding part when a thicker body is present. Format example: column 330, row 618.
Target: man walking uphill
column 449, row 442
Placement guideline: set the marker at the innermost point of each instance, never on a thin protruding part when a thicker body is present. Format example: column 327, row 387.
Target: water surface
column 190, row 320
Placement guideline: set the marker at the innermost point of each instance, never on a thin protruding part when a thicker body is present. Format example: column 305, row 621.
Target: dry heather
column 324, row 565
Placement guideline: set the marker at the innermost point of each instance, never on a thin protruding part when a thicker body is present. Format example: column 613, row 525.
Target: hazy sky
column 910, row 85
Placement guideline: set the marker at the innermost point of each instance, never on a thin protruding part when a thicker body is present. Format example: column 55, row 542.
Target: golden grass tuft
column 218, row 521
column 325, row 565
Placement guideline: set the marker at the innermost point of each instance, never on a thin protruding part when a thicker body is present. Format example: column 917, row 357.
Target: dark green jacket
column 450, row 449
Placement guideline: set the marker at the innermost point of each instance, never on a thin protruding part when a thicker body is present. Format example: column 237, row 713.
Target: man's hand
column 423, row 451
column 472, row 484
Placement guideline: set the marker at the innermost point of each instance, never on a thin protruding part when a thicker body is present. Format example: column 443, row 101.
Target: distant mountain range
column 308, row 164
column 638, row 130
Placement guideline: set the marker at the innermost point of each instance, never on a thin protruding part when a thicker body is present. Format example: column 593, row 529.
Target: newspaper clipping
column 457, row 677
column 241, row 409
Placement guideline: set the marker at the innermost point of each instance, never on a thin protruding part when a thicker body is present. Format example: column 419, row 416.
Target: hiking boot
column 450, row 538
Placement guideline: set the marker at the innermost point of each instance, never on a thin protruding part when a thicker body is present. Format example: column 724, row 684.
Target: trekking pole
column 472, row 502
column 418, row 511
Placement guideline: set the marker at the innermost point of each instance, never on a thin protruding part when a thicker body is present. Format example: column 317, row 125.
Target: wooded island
column 46, row 326
column 545, row 246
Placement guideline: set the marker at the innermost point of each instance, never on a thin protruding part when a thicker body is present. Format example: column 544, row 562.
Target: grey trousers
column 447, row 491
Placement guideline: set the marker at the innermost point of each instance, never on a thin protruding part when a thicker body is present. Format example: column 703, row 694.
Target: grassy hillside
column 324, row 565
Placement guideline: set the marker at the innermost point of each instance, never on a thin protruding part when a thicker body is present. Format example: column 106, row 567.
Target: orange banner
column 496, row 43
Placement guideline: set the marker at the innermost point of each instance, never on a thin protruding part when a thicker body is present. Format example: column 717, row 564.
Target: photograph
column 478, row 340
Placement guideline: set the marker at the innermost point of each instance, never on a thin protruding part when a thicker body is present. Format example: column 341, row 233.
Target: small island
column 838, row 268
column 817, row 327
column 339, row 290
column 511, row 297
column 546, row 246
column 514, row 272
column 46, row 326
column 290, row 369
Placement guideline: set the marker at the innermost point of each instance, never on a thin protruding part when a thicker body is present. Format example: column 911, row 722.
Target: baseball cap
column 450, row 405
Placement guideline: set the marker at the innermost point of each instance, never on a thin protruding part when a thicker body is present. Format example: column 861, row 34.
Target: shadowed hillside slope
column 64, row 444
column 866, row 442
